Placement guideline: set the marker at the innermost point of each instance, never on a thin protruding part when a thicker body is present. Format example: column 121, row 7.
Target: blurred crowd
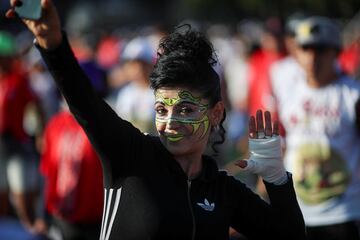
column 50, row 177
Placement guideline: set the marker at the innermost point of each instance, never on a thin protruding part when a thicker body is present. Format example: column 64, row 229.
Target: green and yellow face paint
column 184, row 108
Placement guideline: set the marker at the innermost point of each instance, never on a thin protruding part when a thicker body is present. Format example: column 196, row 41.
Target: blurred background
column 115, row 42
column 111, row 14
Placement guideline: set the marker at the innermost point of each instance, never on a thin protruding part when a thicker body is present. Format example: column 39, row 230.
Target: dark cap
column 318, row 31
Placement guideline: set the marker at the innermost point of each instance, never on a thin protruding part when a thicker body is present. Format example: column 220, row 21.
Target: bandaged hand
column 265, row 150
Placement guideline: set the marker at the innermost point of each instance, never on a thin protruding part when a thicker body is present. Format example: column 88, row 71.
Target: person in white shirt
column 318, row 106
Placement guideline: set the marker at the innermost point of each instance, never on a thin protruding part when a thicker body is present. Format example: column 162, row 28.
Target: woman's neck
column 191, row 165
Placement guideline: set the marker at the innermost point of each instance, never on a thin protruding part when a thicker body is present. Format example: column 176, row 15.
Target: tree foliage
column 229, row 10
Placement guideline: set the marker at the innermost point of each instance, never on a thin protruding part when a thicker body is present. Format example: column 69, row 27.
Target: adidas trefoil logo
column 207, row 206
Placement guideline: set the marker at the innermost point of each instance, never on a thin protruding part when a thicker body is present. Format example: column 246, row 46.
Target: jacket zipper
column 191, row 210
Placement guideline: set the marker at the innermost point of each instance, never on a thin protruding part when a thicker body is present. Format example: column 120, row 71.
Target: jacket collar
column 209, row 170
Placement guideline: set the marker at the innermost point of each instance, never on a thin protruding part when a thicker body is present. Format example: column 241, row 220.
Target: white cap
column 138, row 48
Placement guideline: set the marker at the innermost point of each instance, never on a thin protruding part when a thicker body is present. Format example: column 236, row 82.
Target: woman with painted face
column 165, row 187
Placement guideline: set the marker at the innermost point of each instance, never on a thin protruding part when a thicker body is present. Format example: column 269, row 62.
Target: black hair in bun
column 186, row 59
column 194, row 45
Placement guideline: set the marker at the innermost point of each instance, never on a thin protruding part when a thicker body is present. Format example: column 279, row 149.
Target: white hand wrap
column 266, row 161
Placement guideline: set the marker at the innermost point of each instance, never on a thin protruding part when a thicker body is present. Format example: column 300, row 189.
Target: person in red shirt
column 271, row 49
column 18, row 174
column 73, row 179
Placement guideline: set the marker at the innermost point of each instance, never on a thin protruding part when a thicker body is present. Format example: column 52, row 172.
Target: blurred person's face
column 138, row 72
column 271, row 43
column 317, row 61
column 290, row 45
column 184, row 120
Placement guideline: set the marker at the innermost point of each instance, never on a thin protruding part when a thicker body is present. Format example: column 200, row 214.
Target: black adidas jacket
column 147, row 195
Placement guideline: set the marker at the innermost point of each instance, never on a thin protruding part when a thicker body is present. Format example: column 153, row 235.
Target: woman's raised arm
column 47, row 29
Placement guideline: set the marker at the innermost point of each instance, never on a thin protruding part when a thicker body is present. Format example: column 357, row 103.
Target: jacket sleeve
column 115, row 140
column 281, row 218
